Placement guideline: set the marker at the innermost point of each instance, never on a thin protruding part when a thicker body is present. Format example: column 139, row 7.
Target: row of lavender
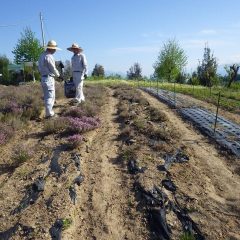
column 17, row 106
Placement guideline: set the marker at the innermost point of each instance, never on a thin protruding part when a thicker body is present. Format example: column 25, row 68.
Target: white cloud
column 208, row 32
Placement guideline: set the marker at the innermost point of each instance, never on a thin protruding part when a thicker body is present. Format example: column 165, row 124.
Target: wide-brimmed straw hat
column 74, row 46
column 52, row 45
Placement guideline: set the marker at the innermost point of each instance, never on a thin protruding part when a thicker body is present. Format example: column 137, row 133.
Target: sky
column 116, row 34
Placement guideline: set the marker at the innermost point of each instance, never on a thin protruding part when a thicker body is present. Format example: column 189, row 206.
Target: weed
column 187, row 236
column 156, row 115
column 23, row 172
column 140, row 124
column 66, row 223
column 21, row 155
column 159, row 133
column 129, row 153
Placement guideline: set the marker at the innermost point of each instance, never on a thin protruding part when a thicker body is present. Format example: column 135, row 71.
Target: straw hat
column 52, row 45
column 75, row 46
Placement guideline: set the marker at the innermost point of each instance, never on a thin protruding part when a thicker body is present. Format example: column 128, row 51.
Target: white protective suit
column 79, row 69
column 47, row 69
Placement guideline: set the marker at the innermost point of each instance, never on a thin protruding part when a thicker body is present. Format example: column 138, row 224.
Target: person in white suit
column 48, row 71
column 79, row 71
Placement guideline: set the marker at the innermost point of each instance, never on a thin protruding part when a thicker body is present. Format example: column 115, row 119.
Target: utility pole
column 41, row 20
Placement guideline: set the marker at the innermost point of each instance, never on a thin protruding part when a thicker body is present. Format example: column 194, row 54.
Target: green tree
column 182, row 77
column 98, row 71
column 232, row 72
column 207, row 70
column 4, row 61
column 193, row 80
column 135, row 72
column 28, row 47
column 171, row 61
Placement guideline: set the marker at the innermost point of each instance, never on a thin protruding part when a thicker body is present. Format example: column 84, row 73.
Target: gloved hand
column 85, row 76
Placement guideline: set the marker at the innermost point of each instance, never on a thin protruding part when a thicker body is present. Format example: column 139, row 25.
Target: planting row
column 148, row 137
column 44, row 174
column 225, row 133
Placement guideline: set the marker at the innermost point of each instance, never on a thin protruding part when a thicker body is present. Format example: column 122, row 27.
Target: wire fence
column 223, row 131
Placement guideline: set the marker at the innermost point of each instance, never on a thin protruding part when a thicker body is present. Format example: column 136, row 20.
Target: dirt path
column 104, row 209
column 210, row 180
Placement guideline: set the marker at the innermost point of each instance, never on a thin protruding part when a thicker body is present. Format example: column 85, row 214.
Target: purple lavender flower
column 74, row 140
column 83, row 124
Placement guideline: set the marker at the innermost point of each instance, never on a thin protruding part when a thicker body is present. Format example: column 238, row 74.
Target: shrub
column 6, row 132
column 129, row 153
column 23, row 101
column 74, row 141
column 156, row 115
column 74, row 112
column 22, row 154
column 56, row 125
column 79, row 125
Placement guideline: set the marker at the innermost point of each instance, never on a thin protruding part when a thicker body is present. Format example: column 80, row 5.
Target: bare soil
column 107, row 203
column 210, row 179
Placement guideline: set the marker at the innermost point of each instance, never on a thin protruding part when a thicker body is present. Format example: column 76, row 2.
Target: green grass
column 230, row 97
column 187, row 236
column 67, row 223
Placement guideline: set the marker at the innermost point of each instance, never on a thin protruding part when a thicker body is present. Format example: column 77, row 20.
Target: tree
column 28, row 47
column 232, row 72
column 98, row 71
column 135, row 72
column 182, row 77
column 114, row 76
column 207, row 70
column 4, row 61
column 171, row 61
column 194, row 79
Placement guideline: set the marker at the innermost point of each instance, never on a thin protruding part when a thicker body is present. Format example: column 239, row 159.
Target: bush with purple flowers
column 23, row 101
column 74, row 141
column 84, row 124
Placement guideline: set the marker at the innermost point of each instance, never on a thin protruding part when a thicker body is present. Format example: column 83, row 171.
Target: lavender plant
column 74, row 141
column 80, row 125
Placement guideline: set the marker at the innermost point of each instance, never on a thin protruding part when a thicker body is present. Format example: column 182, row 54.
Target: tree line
column 169, row 66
